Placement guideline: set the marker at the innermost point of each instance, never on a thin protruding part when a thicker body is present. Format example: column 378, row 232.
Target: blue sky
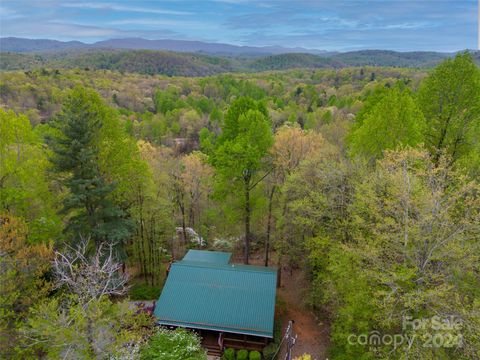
column 439, row 25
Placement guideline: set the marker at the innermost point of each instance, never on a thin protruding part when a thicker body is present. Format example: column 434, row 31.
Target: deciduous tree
column 450, row 100
column 240, row 152
column 393, row 120
column 24, row 281
column 24, row 187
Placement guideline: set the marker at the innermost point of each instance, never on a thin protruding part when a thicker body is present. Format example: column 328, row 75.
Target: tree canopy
column 450, row 100
column 393, row 120
column 239, row 157
column 76, row 152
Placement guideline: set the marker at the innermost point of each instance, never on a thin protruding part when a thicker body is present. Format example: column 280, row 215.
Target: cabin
column 228, row 305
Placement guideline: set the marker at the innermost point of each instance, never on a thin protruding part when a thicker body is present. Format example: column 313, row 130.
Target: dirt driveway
column 313, row 336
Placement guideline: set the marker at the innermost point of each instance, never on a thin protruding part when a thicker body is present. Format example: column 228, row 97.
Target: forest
column 154, row 62
column 365, row 179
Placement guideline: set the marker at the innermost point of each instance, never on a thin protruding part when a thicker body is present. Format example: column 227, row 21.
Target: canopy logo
column 434, row 332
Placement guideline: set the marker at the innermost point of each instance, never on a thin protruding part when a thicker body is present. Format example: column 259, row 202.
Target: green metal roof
column 219, row 257
column 222, row 297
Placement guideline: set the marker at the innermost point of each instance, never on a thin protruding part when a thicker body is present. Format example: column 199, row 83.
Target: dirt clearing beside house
column 313, row 335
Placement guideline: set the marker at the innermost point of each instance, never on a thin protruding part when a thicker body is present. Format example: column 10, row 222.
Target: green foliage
column 120, row 162
column 390, row 224
column 269, row 351
column 389, row 58
column 240, row 151
column 227, row 87
column 178, row 344
column 450, row 100
column 24, row 281
column 229, row 354
column 242, row 354
column 245, row 139
column 404, row 224
column 255, row 355
column 349, row 297
column 141, row 61
column 207, row 140
column 167, row 100
column 24, row 187
column 289, row 61
column 141, row 291
column 243, row 151
column 76, row 156
column 62, row 325
column 181, row 64
column 393, row 120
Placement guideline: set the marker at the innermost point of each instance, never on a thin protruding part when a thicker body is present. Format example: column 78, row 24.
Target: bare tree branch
column 89, row 278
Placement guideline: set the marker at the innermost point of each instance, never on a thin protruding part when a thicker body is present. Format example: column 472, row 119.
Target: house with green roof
column 229, row 305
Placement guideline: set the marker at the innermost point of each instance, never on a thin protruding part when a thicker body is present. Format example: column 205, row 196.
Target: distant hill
column 421, row 59
column 14, row 44
column 182, row 63
column 289, row 61
column 390, row 58
column 195, row 46
column 22, row 45
column 140, row 61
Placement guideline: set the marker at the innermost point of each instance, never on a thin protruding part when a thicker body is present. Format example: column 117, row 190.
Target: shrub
column 304, row 357
column 141, row 291
column 178, row 344
column 229, row 354
column 255, row 355
column 225, row 244
column 269, row 351
column 281, row 307
column 242, row 355
column 278, row 330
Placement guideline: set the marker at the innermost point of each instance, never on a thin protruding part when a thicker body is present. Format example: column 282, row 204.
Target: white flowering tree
column 178, row 344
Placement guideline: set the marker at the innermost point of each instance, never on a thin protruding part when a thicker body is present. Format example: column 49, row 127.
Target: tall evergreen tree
column 76, row 156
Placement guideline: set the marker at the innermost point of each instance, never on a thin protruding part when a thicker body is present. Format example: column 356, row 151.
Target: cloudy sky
column 440, row 25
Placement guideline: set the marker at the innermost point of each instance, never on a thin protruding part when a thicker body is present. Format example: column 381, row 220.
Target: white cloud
column 9, row 14
column 119, row 7
column 163, row 22
column 64, row 30
column 407, row 25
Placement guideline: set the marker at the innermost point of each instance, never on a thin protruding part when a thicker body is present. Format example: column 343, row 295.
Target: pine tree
column 76, row 156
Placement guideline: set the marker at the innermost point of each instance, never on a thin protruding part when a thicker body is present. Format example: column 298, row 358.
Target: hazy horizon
column 444, row 26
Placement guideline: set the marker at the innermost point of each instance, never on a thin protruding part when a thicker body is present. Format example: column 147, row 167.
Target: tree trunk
column 279, row 271
column 246, row 249
column 154, row 251
column 91, row 338
column 269, row 224
column 151, row 258
column 443, row 135
column 143, row 251
column 184, row 225
column 191, row 216
column 143, row 257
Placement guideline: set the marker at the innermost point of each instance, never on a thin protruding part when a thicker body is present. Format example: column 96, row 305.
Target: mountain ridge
column 25, row 45
column 203, row 62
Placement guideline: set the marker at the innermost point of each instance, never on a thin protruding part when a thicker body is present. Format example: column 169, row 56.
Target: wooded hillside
column 364, row 178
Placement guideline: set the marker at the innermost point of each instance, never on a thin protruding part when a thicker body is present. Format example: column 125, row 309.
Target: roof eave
column 215, row 328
